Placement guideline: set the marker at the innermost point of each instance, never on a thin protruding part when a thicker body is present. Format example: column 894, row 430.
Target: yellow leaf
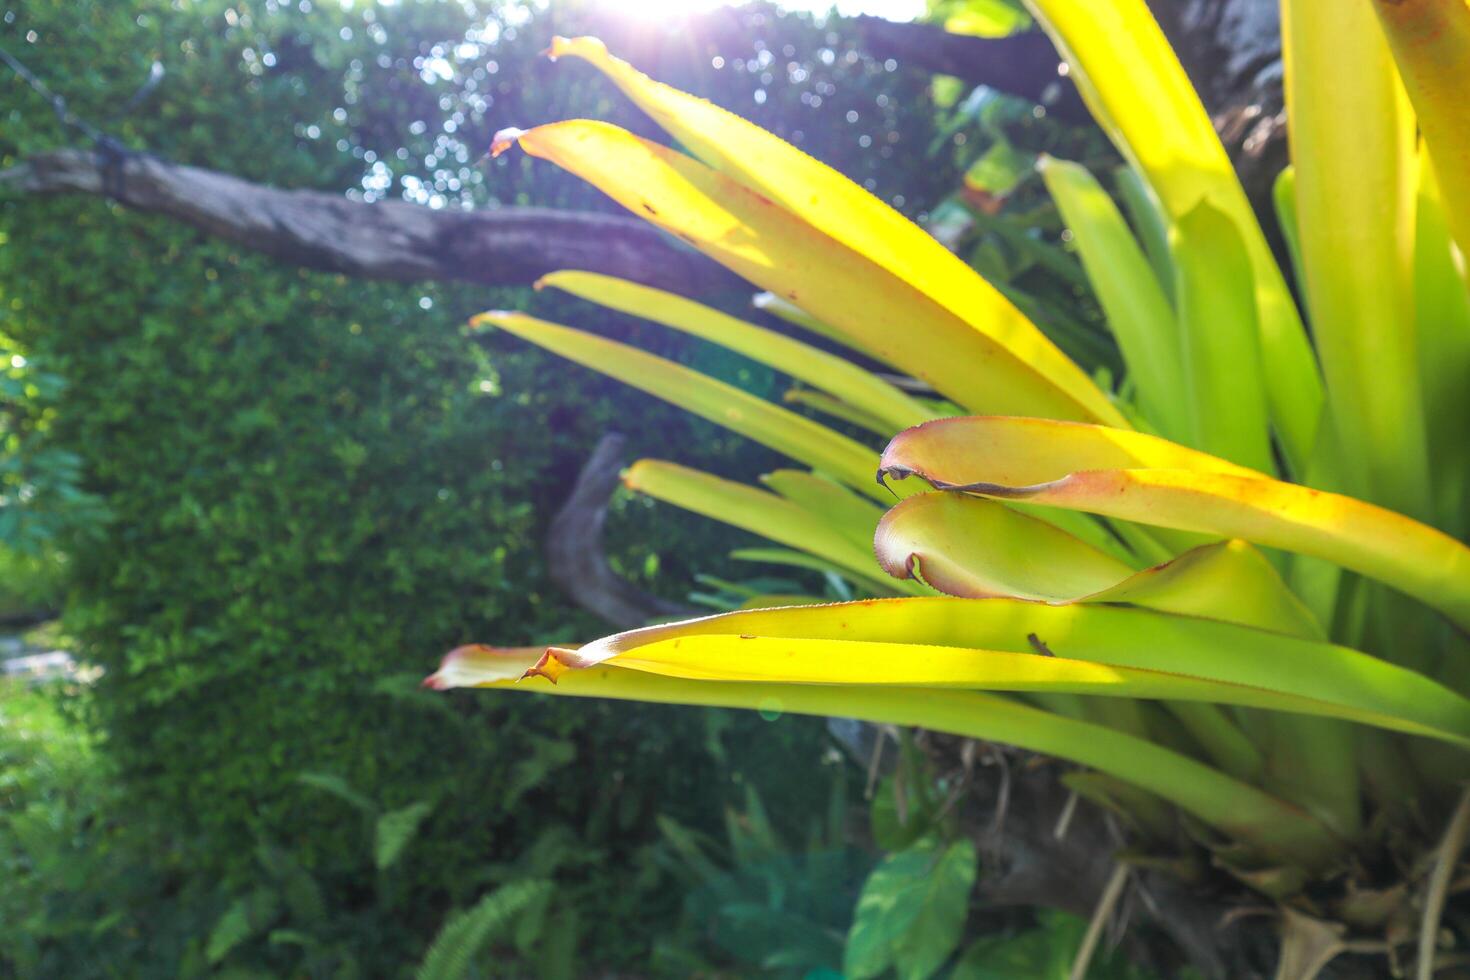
column 1231, row 806
column 709, row 398
column 973, row 547
column 1352, row 147
column 1133, row 83
column 1016, row 645
column 818, row 368
column 760, row 240
column 1140, row 478
column 840, row 209
column 1431, row 43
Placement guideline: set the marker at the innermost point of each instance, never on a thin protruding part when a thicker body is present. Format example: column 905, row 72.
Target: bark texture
column 508, row 246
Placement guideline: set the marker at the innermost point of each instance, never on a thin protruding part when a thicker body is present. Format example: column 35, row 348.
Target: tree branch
column 574, row 556
column 508, row 246
column 1230, row 48
column 1025, row 65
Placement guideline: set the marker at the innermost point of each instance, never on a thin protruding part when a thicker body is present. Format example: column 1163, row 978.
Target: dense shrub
column 315, row 485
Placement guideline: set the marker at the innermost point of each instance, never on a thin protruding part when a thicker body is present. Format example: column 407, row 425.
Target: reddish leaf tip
column 504, row 139
column 549, row 666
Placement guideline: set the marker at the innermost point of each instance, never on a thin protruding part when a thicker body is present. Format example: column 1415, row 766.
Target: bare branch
column 508, row 246
column 574, row 555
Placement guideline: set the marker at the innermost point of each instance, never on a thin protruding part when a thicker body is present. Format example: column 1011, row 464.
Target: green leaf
column 912, row 910
column 762, row 513
column 1146, row 214
column 1137, row 307
column 721, row 403
column 828, row 502
column 777, row 306
column 988, row 18
column 466, row 934
column 395, row 829
column 1223, row 374
column 821, row 402
column 999, row 169
column 244, row 918
column 1442, row 321
column 1141, row 478
column 896, row 827
column 1352, row 148
column 1431, row 45
column 1136, row 88
column 902, row 270
column 1276, row 830
column 792, row 559
column 835, row 375
column 772, row 248
column 546, row 756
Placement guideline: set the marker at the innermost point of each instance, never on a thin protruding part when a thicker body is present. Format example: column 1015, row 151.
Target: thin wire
column 63, row 111
column 58, row 104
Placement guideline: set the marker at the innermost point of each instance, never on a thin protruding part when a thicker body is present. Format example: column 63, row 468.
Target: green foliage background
column 315, row 485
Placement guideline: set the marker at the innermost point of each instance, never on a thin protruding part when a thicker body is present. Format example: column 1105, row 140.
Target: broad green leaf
column 972, row 547
column 1225, row 405
column 1228, row 580
column 835, row 375
column 1137, row 308
column 1352, row 146
column 912, row 910
column 1009, row 644
column 758, row 512
column 1134, row 85
column 845, row 213
column 1431, row 44
column 1245, row 813
column 966, row 546
column 1140, row 478
column 721, row 403
column 1442, row 318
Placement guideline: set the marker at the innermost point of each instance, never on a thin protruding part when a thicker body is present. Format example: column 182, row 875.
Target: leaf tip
column 550, row 666
column 589, row 48
column 488, row 320
column 505, row 139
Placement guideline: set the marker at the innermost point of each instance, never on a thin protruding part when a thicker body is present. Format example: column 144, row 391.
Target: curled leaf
column 1140, row 478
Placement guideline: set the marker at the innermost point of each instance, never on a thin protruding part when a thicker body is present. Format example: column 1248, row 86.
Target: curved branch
column 508, row 246
column 574, row 556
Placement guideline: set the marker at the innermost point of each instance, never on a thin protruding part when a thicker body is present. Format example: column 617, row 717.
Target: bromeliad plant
column 1236, row 587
